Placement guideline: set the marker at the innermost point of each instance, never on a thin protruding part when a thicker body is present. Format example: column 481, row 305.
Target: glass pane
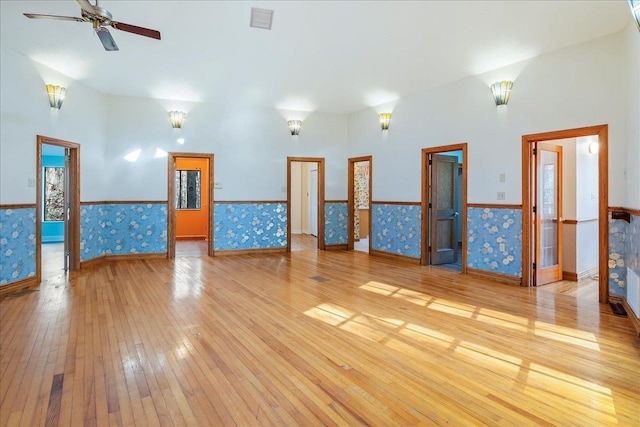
column 187, row 189
column 54, row 194
column 548, row 207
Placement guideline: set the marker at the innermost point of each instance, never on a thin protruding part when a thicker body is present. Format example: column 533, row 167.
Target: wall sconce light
column 56, row 95
column 593, row 147
column 384, row 120
column 501, row 91
column 635, row 10
column 177, row 118
column 294, row 127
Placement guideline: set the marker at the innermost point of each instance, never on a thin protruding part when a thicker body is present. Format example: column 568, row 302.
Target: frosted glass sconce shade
column 385, row 118
column 56, row 95
column 294, row 126
column 501, row 91
column 177, row 118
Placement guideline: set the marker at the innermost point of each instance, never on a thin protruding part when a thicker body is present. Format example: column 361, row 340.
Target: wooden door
column 313, row 201
column 192, row 198
column 548, row 213
column 443, row 242
column 67, row 209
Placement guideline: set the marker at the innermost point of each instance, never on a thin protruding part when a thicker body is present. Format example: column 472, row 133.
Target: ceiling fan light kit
column 101, row 19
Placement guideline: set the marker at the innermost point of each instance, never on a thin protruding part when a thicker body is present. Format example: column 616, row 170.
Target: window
column 53, row 194
column 187, row 189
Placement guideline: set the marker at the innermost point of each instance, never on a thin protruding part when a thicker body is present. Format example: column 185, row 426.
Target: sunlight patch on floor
column 567, row 335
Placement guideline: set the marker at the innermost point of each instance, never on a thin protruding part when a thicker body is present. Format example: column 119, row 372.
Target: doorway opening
column 444, row 207
column 57, row 207
column 305, row 203
column 190, row 201
column 359, row 204
column 544, row 227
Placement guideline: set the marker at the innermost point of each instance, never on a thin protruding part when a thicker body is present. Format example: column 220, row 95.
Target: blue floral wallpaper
column 249, row 225
column 396, row 229
column 335, row 223
column 91, row 224
column 618, row 230
column 487, row 230
column 122, row 229
column 633, row 244
column 17, row 244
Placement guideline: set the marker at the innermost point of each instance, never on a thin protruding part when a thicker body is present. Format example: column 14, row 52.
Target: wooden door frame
column 171, row 209
column 320, row 162
column 350, row 198
column 74, row 201
column 424, row 235
column 602, row 131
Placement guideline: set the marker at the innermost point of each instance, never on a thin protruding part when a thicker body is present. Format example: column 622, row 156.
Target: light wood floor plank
column 311, row 338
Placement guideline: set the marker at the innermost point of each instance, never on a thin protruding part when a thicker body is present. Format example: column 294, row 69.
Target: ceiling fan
column 100, row 18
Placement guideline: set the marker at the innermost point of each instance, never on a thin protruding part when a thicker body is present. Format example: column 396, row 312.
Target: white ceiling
column 331, row 56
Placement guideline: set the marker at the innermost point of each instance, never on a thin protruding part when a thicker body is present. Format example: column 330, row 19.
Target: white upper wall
column 250, row 145
column 632, row 79
column 25, row 113
column 574, row 87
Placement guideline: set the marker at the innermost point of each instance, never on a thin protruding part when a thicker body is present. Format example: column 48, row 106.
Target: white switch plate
column 31, row 182
column 501, row 195
column 502, row 248
column 503, row 177
column 217, row 185
column 283, row 189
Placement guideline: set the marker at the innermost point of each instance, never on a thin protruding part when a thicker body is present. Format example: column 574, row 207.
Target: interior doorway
column 57, row 207
column 359, row 203
column 305, row 203
column 533, row 201
column 190, row 200
column 444, row 207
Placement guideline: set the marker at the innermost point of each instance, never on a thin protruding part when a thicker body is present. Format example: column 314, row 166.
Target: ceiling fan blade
column 136, row 30
column 107, row 41
column 62, row 18
column 86, row 6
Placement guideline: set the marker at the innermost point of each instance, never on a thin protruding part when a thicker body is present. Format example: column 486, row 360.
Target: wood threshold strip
column 229, row 252
column 336, row 247
column 125, row 202
column 397, row 257
column 93, row 262
column 378, row 202
column 10, row 288
column 493, row 206
column 335, row 201
column 494, row 277
column 247, row 202
column 630, row 314
column 634, row 212
column 18, row 206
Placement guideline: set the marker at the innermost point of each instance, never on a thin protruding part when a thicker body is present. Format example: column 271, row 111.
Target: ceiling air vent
column 261, row 18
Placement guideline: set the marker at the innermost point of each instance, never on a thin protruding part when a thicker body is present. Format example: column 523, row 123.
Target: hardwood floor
column 309, row 338
column 584, row 289
column 52, row 259
column 304, row 242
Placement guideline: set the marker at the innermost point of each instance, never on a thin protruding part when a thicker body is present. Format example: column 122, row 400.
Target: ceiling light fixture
column 177, row 118
column 635, row 10
column 294, row 126
column 385, row 118
column 56, row 95
column 501, row 91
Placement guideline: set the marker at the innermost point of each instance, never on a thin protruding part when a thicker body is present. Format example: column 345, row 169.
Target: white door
column 313, row 201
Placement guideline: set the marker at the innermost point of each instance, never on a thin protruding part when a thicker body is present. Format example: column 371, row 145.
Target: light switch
column 31, row 182
column 503, row 177
column 501, row 195
column 502, row 248
column 283, row 189
column 217, row 185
